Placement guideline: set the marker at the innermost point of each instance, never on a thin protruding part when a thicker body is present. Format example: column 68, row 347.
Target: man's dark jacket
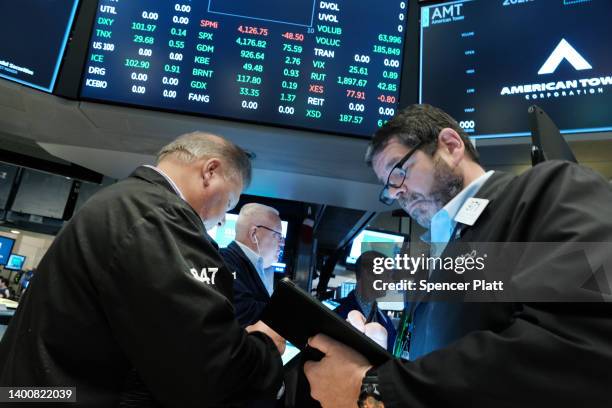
column 519, row 354
column 250, row 294
column 133, row 284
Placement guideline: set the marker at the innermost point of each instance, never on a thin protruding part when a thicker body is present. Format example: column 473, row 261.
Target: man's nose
column 398, row 192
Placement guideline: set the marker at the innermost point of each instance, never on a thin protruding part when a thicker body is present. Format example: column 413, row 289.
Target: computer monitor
column 6, row 246
column 388, row 243
column 34, row 35
column 485, row 62
column 15, row 262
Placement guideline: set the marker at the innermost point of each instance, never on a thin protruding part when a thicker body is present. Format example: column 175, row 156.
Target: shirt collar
column 168, row 179
column 266, row 275
column 443, row 222
column 251, row 255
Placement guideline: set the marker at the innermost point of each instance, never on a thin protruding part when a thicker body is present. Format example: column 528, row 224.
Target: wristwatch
column 369, row 388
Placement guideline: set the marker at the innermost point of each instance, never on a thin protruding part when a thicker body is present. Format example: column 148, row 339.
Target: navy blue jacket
column 350, row 303
column 250, row 294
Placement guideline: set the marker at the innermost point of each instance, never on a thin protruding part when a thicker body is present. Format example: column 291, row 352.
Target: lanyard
column 401, row 346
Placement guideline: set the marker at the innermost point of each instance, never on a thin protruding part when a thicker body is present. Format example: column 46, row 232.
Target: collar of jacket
column 149, row 175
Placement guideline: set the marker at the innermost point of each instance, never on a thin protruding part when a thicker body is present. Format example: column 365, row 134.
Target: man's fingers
column 310, row 370
column 322, row 343
column 375, row 329
column 357, row 319
column 377, row 332
column 281, row 346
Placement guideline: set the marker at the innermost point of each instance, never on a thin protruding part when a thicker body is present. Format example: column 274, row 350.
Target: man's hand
column 375, row 331
column 265, row 329
column 335, row 381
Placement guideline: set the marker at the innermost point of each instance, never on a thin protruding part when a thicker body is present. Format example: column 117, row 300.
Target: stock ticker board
column 331, row 66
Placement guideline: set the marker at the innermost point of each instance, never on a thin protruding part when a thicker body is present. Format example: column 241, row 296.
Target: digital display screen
column 486, row 62
column 6, row 246
column 330, row 66
column 15, row 262
column 368, row 240
column 42, row 194
column 34, row 35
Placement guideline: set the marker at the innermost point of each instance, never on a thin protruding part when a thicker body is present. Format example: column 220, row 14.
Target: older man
column 525, row 354
column 258, row 242
column 134, row 292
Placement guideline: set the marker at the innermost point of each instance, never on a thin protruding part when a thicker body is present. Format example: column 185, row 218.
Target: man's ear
column 209, row 168
column 252, row 235
column 451, row 143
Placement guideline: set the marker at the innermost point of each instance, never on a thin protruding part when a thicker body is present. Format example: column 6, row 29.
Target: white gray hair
column 252, row 214
column 200, row 145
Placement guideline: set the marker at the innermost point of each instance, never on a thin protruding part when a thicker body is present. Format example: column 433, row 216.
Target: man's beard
column 446, row 186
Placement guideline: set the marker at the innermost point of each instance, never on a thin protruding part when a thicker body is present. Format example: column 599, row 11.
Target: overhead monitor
column 485, row 62
column 34, row 35
column 331, row 66
column 15, row 262
column 6, row 246
column 387, row 243
column 42, row 194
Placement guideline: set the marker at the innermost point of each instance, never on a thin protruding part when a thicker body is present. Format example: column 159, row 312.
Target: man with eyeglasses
column 507, row 354
column 250, row 256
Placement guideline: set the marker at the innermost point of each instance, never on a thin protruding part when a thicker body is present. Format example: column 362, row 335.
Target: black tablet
column 297, row 316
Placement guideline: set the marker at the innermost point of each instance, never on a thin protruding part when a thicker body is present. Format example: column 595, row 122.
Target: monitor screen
column 330, row 66
column 346, row 288
column 42, row 194
column 486, row 62
column 15, row 262
column 34, row 35
column 368, row 240
column 330, row 304
column 6, row 246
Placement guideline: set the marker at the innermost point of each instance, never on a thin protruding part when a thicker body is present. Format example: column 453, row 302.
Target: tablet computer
column 290, row 353
column 297, row 316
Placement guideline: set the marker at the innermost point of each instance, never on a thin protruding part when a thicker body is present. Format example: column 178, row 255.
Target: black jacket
column 518, row 354
column 123, row 289
column 250, row 294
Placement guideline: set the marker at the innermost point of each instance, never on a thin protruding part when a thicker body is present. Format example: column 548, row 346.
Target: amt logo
column 442, row 12
column 564, row 51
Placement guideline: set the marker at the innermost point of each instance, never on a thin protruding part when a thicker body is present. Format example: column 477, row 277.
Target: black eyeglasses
column 278, row 235
column 396, row 177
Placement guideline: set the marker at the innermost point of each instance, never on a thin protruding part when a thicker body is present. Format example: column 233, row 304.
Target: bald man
column 257, row 246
